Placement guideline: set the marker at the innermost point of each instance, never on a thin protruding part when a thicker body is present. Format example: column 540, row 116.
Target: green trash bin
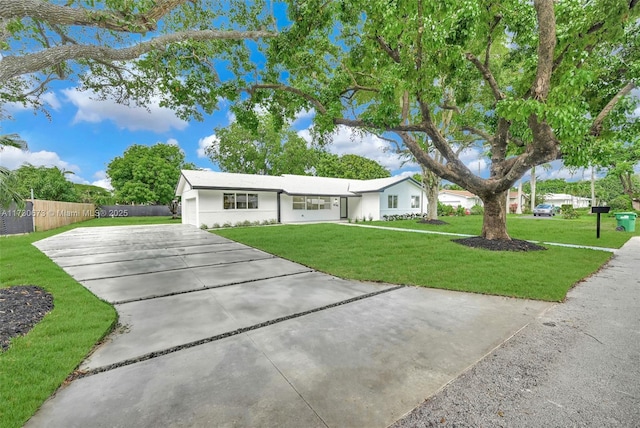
column 626, row 221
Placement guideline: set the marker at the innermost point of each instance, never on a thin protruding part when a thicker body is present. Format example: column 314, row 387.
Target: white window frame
column 392, row 201
column 415, row 201
column 241, row 201
column 311, row 203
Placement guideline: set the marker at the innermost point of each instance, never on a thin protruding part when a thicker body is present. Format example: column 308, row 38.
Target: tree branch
column 65, row 15
column 13, row 66
column 487, row 75
column 492, row 27
column 393, row 53
column 546, row 46
column 596, row 127
column 279, row 87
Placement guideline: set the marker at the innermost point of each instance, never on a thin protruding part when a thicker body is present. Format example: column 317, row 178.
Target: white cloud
column 303, row 117
column 102, row 180
column 172, row 142
column 51, row 100
column 13, row 158
column 205, row 142
column 344, row 141
column 134, row 118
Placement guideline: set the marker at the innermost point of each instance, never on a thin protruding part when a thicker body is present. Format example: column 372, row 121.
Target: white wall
column 289, row 215
column 190, row 207
column 458, row 200
column 211, row 209
column 404, row 191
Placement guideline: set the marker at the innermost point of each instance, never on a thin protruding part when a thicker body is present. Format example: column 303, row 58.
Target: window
column 311, row 203
column 392, row 201
column 299, row 202
column 240, row 201
column 415, row 201
column 229, row 201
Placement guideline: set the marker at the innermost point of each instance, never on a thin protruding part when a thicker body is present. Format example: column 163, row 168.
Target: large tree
column 8, row 191
column 128, row 50
column 48, row 183
column 521, row 73
column 267, row 149
column 147, row 174
column 349, row 166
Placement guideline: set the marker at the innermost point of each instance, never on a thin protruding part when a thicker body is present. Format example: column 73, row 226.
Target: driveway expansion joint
column 81, row 374
column 269, row 256
column 208, row 287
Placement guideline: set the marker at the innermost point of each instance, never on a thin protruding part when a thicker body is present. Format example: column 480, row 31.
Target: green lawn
column 36, row 364
column 424, row 259
column 580, row 231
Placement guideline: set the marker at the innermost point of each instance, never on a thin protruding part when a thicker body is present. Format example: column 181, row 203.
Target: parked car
column 544, row 209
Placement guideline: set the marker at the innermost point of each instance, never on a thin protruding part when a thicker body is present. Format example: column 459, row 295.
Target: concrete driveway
column 215, row 333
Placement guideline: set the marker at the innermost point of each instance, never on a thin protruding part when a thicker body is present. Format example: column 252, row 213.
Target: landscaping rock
column 21, row 307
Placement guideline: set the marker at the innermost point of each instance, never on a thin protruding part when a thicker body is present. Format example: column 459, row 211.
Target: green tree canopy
column 94, row 194
column 128, row 50
column 147, row 174
column 524, row 75
column 266, row 149
column 349, row 166
column 47, row 183
column 8, row 192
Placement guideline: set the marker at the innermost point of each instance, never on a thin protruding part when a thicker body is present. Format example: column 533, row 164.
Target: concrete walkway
column 215, row 333
column 464, row 235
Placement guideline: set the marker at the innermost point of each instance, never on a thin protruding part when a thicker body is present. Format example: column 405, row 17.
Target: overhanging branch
column 13, row 66
column 65, row 15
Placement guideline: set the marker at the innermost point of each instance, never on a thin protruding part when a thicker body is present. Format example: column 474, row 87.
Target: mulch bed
column 21, row 307
column 434, row 222
column 499, row 244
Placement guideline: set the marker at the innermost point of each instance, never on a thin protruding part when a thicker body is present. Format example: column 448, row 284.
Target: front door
column 344, row 208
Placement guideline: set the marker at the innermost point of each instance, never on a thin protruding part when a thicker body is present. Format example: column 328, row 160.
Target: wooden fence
column 51, row 214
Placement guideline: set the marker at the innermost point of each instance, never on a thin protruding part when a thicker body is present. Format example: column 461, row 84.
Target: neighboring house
column 217, row 197
column 456, row 198
column 559, row 199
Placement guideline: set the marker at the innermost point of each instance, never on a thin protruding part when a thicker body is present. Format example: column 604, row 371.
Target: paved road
column 215, row 333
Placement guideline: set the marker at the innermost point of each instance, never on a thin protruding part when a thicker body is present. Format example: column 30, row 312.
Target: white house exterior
column 457, row 198
column 217, row 198
column 560, row 199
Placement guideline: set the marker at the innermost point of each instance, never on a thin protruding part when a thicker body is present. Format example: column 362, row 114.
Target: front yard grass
column 36, row 364
column 424, row 260
column 580, row 231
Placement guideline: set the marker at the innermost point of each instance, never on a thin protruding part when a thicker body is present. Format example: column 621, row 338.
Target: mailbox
column 600, row 210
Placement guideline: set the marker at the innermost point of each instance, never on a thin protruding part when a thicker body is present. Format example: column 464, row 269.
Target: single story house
column 559, row 199
column 458, row 198
column 217, row 198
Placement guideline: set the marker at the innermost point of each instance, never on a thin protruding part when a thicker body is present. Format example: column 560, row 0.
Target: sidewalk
column 576, row 365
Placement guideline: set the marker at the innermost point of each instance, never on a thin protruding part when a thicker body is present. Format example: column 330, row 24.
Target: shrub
column 246, row 223
column 444, row 210
column 477, row 210
column 620, row 203
column 203, row 226
column 461, row 211
column 569, row 212
column 216, row 226
column 513, row 208
column 227, row 224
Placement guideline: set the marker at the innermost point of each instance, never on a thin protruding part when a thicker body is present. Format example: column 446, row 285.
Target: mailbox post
column 598, row 211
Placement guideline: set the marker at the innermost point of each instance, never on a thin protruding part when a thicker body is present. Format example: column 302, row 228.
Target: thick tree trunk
column 533, row 188
column 431, row 184
column 519, row 208
column 494, row 225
